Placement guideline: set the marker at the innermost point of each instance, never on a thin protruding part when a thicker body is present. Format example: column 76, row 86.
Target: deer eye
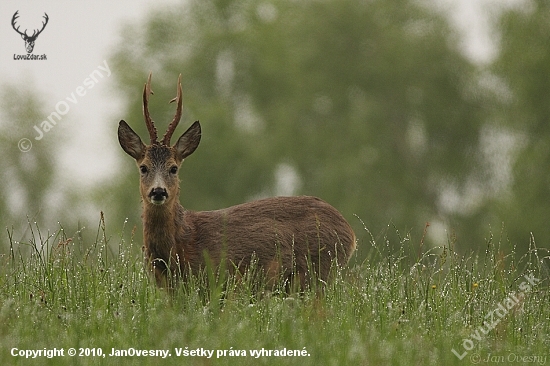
column 143, row 169
column 173, row 170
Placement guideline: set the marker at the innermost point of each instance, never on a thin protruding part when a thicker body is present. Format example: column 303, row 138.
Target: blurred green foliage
column 369, row 105
column 27, row 177
column 523, row 66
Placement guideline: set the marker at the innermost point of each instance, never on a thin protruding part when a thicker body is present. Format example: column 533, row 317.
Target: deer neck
column 160, row 226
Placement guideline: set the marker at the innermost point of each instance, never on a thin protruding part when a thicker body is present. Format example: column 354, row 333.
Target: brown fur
column 288, row 236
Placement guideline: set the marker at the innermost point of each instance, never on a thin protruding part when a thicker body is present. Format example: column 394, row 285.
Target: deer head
column 159, row 162
column 29, row 40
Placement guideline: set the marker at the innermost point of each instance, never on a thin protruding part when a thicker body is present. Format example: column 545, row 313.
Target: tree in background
column 367, row 104
column 26, row 176
column 523, row 71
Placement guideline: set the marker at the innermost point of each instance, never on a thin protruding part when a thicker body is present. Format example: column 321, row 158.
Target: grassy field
column 404, row 306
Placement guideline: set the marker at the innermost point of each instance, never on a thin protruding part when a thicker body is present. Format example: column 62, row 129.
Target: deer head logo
column 29, row 40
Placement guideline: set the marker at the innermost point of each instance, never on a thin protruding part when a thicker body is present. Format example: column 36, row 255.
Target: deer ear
column 130, row 141
column 188, row 142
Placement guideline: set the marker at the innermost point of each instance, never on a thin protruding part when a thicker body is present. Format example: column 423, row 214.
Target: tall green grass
column 403, row 305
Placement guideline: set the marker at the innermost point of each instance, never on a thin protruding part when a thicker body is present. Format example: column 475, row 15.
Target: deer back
column 288, row 236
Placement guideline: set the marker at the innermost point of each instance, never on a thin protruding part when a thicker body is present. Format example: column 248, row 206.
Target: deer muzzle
column 158, row 195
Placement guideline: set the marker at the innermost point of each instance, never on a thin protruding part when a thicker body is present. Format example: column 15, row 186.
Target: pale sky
column 80, row 37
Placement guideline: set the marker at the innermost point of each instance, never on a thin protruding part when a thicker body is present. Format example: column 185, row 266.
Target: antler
column 15, row 16
column 172, row 127
column 34, row 33
column 150, row 124
column 43, row 26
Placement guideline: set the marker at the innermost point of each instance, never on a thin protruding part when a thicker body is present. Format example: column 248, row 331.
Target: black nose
column 158, row 194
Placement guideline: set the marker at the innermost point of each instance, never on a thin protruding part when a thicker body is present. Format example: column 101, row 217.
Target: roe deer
column 289, row 237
